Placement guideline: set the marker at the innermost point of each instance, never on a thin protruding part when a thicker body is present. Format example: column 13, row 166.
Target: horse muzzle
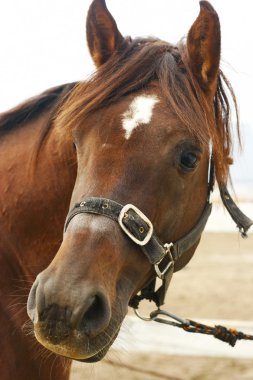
column 78, row 303
column 77, row 325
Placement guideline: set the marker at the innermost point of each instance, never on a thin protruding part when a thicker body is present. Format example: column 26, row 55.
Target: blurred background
column 43, row 44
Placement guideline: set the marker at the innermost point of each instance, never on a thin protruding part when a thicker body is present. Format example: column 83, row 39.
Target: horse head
column 144, row 127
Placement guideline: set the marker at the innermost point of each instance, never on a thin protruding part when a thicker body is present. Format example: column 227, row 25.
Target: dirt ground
column 216, row 284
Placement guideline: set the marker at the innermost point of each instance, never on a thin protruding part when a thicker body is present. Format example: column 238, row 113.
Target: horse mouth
column 77, row 345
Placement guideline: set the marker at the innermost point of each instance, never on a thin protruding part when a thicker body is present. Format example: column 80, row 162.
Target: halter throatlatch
column 242, row 221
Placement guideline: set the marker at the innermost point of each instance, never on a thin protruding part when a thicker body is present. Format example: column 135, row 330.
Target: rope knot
column 226, row 335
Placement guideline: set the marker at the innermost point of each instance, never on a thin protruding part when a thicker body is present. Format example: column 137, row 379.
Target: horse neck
column 36, row 190
column 34, row 199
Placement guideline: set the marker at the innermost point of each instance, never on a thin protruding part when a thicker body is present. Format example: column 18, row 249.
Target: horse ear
column 203, row 45
column 102, row 33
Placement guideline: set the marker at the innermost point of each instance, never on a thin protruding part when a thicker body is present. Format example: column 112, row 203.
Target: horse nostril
column 95, row 309
column 97, row 316
column 31, row 303
column 35, row 302
column 90, row 313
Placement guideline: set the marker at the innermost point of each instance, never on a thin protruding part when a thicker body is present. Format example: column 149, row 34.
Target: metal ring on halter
column 147, row 319
column 155, row 317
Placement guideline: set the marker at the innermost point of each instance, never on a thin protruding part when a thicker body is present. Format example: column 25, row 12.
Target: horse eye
column 188, row 161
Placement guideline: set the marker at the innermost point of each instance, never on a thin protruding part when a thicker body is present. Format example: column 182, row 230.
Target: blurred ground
column 217, row 284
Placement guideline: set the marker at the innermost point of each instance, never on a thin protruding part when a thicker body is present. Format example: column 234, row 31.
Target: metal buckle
column 127, row 232
column 170, row 266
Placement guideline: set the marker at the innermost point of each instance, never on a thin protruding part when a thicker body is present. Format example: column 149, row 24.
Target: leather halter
column 140, row 230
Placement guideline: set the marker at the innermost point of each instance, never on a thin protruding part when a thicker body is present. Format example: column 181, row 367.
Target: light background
column 43, row 43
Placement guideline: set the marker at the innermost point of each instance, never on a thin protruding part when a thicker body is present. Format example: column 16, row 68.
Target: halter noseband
column 140, row 230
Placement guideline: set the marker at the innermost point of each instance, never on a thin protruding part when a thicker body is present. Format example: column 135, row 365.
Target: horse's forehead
column 139, row 112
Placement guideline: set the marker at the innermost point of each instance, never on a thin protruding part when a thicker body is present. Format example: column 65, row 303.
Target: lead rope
column 227, row 335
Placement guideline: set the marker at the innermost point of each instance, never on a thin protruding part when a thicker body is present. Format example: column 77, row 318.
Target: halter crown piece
column 140, row 230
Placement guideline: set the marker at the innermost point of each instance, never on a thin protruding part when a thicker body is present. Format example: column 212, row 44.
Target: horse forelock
column 143, row 61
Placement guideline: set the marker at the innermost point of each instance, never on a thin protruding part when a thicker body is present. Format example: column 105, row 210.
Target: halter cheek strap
column 242, row 221
column 140, row 230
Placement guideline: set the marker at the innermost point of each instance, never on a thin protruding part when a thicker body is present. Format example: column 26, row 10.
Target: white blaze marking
column 139, row 112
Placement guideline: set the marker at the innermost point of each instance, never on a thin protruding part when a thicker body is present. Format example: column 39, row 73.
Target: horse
column 95, row 177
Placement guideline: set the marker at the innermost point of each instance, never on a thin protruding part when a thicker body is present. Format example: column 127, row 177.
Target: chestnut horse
column 139, row 131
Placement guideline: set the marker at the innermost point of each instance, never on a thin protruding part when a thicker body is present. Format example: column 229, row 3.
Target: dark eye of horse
column 188, row 161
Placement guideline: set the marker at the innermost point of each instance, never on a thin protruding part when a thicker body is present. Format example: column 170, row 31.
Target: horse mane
column 32, row 108
column 143, row 61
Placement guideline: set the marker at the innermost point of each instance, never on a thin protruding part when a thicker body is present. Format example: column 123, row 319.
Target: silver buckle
column 122, row 214
column 170, row 266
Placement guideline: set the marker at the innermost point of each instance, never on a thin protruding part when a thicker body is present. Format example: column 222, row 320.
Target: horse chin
column 99, row 355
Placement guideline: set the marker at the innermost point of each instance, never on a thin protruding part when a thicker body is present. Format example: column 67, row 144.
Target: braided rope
column 227, row 335
column 230, row 336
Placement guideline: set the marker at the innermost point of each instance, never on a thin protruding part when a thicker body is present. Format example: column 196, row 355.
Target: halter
column 139, row 229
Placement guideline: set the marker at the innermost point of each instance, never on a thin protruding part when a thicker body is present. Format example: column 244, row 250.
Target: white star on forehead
column 139, row 112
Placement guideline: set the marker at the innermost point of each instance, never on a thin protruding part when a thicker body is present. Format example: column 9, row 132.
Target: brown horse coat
column 142, row 128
